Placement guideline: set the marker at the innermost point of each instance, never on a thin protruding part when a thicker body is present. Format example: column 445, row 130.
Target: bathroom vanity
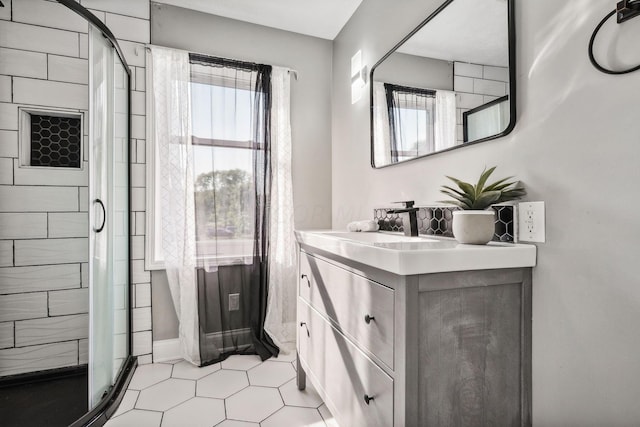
column 415, row 331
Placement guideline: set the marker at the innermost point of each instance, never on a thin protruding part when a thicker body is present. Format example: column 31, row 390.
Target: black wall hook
column 627, row 9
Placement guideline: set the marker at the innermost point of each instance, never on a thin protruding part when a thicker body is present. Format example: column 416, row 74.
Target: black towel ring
column 593, row 59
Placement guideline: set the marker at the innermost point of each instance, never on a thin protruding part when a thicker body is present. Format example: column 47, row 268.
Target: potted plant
column 473, row 223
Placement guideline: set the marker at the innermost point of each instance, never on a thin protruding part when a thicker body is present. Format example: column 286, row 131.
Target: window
column 223, row 103
column 226, row 123
column 411, row 119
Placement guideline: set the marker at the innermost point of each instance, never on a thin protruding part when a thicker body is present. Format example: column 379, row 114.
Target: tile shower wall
column 44, row 290
column 476, row 85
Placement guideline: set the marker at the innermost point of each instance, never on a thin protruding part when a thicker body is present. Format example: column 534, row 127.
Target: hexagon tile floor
column 241, row 391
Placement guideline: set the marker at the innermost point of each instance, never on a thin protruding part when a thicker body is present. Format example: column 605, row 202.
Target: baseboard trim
column 165, row 350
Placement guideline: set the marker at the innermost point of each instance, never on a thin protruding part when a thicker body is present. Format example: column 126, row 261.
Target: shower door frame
column 99, row 415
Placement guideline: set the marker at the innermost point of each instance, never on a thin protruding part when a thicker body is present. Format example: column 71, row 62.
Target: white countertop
column 404, row 255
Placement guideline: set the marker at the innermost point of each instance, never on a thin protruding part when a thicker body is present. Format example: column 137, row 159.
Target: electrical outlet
column 234, row 302
column 531, row 223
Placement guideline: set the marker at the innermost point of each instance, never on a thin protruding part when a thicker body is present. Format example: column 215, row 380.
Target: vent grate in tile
column 55, row 141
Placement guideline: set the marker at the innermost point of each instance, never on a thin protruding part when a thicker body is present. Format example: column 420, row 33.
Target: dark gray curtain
column 224, row 332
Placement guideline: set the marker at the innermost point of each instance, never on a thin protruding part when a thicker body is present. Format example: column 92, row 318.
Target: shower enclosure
column 65, row 312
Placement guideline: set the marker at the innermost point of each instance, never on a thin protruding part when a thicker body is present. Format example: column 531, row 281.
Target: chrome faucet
column 409, row 217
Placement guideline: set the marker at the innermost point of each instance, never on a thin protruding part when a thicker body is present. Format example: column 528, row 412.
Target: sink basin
column 406, row 255
column 375, row 238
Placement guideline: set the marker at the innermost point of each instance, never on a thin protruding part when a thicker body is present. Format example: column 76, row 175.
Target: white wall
column 576, row 145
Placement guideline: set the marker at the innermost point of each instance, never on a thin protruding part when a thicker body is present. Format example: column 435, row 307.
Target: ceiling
column 466, row 30
column 317, row 18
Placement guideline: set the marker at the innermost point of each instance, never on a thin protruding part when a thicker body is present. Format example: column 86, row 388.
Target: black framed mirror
column 448, row 84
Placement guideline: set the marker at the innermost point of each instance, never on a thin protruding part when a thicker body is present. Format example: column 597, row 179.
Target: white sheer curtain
column 171, row 134
column 445, row 120
column 281, row 304
column 382, row 143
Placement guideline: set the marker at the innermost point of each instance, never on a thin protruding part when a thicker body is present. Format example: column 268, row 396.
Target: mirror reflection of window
column 421, row 121
column 486, row 120
column 411, row 113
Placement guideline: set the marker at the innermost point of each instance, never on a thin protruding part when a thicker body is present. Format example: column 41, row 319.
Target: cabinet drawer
column 362, row 308
column 343, row 373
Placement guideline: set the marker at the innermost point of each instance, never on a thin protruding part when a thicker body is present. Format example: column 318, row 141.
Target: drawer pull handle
column 368, row 319
column 306, row 327
column 368, row 399
column 304, row 276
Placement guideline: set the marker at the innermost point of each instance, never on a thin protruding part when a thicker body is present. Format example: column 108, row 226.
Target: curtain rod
column 149, row 46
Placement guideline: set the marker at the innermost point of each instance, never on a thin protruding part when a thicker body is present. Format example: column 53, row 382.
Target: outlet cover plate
column 531, row 222
column 234, row 302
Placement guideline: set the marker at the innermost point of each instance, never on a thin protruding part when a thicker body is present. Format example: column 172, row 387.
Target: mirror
column 448, row 84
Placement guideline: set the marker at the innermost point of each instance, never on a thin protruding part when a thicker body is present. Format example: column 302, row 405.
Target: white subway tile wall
column 48, row 14
column 141, row 319
column 50, row 93
column 34, row 38
column 6, row 335
column 69, row 301
column 68, row 224
column 6, row 253
column 22, row 63
column 83, row 352
column 65, row 69
column 50, row 176
column 5, row 89
column 44, row 295
column 476, row 85
column 143, row 295
column 22, row 225
column 9, row 143
column 142, row 343
column 135, row 8
column 15, row 280
column 23, row 306
column 8, row 115
column 18, row 360
column 51, row 330
column 38, row 199
column 6, row 171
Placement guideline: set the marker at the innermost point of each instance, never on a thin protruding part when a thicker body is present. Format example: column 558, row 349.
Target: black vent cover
column 55, row 141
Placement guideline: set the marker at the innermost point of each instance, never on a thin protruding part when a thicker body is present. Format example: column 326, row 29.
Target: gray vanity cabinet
column 442, row 349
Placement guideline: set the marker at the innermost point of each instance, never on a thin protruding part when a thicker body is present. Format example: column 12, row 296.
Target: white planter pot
column 474, row 227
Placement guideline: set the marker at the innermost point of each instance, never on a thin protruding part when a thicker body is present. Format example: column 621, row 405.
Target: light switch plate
column 531, row 222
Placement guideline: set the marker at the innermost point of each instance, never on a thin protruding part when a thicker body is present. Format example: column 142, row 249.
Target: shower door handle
column 104, row 216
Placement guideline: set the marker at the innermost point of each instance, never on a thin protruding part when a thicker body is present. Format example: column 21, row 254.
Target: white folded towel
column 366, row 225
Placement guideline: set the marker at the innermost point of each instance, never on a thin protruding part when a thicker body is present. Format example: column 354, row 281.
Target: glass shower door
column 109, row 216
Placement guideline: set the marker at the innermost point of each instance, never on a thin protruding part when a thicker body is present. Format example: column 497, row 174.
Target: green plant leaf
column 460, row 193
column 486, row 199
column 456, row 203
column 460, row 198
column 481, row 195
column 507, row 196
column 499, row 183
column 464, row 186
column 483, row 179
column 501, row 187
